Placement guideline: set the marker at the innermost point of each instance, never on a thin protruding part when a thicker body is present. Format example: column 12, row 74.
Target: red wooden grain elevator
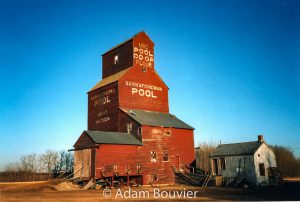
column 131, row 134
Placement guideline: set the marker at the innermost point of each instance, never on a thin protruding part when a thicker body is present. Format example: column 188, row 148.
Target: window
column 154, row 177
column 139, row 131
column 222, row 162
column 138, row 169
column 129, row 127
column 262, row 169
column 116, row 59
column 165, row 156
column 153, row 156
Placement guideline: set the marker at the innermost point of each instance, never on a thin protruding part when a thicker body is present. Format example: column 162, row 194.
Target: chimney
column 260, row 138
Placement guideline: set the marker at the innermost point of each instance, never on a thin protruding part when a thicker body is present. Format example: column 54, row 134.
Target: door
column 216, row 170
column 82, row 163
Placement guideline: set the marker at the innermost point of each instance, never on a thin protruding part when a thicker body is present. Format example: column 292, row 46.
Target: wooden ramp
column 206, row 180
column 88, row 185
column 192, row 178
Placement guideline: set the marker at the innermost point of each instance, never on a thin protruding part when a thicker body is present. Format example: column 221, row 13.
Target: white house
column 253, row 162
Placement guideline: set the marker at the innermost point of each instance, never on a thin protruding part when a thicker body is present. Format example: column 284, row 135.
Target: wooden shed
column 253, row 162
column 131, row 134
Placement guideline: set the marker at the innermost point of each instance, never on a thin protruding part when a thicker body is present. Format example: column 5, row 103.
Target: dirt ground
column 46, row 191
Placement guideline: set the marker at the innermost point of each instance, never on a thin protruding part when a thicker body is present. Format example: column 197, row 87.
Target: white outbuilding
column 251, row 162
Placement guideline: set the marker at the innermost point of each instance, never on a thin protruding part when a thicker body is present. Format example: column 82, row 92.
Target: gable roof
column 236, row 149
column 120, row 44
column 109, row 80
column 103, row 137
column 152, row 118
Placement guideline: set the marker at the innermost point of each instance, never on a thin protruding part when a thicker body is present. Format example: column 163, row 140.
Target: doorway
column 215, row 164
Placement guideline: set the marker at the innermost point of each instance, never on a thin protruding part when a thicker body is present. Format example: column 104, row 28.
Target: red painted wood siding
column 143, row 90
column 108, row 155
column 139, row 88
column 124, row 119
column 139, row 52
column 125, row 59
column 179, row 143
column 143, row 51
column 84, row 141
column 103, row 106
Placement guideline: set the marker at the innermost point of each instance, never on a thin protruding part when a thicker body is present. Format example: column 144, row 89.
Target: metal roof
column 236, row 149
column 152, row 118
column 103, row 137
column 109, row 80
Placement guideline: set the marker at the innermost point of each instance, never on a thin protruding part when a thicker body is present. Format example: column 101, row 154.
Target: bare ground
column 46, row 191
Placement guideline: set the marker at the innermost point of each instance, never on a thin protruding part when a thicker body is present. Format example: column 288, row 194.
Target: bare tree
column 202, row 156
column 69, row 162
column 28, row 163
column 33, row 166
column 287, row 163
column 64, row 164
column 49, row 160
column 60, row 163
column 12, row 167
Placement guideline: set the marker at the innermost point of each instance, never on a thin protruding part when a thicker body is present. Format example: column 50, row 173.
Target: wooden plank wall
column 125, row 59
column 143, row 90
column 103, row 110
column 178, row 143
column 82, row 163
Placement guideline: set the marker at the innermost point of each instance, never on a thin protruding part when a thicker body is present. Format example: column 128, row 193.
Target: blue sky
column 233, row 67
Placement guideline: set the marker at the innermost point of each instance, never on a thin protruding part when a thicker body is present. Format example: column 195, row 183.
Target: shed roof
column 103, row 137
column 236, row 149
column 152, row 118
column 109, row 80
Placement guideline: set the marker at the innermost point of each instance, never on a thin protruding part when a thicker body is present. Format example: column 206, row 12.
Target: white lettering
column 119, row 193
column 133, row 91
column 143, row 55
column 156, row 193
column 141, row 92
column 148, row 93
